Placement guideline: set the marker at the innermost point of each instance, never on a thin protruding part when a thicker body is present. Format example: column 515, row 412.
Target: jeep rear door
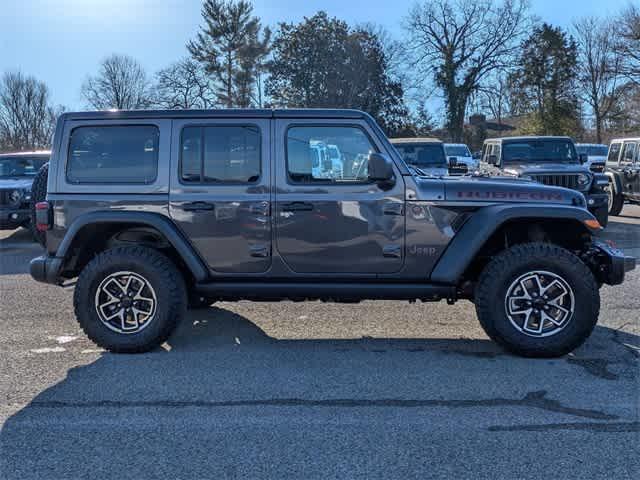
column 334, row 220
column 220, row 190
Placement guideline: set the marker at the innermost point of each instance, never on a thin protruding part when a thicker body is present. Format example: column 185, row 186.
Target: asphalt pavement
column 313, row 390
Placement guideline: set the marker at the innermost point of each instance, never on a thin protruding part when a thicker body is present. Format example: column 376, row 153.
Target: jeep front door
column 334, row 220
column 220, row 191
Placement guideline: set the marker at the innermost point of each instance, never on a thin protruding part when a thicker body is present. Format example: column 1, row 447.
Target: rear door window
column 220, row 154
column 113, row 154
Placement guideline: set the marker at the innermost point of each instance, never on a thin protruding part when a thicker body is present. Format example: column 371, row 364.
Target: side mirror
column 583, row 157
column 380, row 168
column 492, row 159
column 453, row 161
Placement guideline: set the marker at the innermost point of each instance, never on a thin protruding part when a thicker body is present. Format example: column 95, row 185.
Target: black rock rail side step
column 271, row 291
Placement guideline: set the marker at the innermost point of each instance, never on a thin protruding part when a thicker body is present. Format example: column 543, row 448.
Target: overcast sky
column 61, row 41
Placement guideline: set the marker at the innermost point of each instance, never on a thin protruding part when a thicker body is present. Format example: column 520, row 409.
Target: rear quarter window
column 113, row 154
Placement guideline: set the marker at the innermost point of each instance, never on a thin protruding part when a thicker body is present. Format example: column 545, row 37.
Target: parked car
column 17, row 171
column 460, row 158
column 596, row 155
column 623, row 172
column 159, row 210
column 553, row 161
column 424, row 154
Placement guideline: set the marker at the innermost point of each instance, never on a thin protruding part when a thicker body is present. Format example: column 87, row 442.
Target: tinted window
column 423, row 156
column 629, row 152
column 457, row 151
column 20, row 165
column 113, row 154
column 220, row 154
column 539, row 150
column 328, row 154
column 614, row 152
column 592, row 150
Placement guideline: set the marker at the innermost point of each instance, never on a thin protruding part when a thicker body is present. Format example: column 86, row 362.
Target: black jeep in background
column 158, row 211
column 553, row 161
column 17, row 172
column 623, row 171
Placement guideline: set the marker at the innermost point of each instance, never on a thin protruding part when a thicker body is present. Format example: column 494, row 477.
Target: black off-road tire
column 161, row 273
column 616, row 200
column 38, row 194
column 602, row 215
column 506, row 268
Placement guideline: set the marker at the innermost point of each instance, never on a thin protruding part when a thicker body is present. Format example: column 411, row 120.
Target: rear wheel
column 38, row 194
column 615, row 200
column 130, row 299
column 537, row 300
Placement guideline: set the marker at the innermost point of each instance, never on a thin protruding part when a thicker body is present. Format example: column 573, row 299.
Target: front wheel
column 615, row 200
column 537, row 300
column 130, row 299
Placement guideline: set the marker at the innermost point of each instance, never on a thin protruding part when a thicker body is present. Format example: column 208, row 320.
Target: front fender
column 475, row 232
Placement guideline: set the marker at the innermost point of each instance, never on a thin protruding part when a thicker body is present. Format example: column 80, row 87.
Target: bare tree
column 27, row 118
column 600, row 65
column 184, row 85
column 121, row 83
column 628, row 33
column 494, row 95
column 458, row 42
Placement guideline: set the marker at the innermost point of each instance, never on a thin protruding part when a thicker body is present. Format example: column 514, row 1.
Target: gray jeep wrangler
column 623, row 172
column 552, row 161
column 152, row 212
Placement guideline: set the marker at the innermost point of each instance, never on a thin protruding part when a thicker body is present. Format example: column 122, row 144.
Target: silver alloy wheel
column 539, row 303
column 125, row 302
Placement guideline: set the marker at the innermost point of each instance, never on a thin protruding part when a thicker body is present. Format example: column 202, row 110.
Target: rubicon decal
column 502, row 195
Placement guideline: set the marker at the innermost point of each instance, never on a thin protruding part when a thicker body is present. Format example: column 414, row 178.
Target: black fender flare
column 475, row 232
column 155, row 220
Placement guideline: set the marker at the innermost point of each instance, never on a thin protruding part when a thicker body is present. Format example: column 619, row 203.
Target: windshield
column 20, row 166
column 593, row 150
column 539, row 150
column 457, row 151
column 423, row 156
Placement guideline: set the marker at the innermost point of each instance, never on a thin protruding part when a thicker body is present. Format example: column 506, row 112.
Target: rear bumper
column 612, row 264
column 46, row 269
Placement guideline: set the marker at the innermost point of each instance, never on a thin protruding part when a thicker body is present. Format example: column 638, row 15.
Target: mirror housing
column 583, row 157
column 380, row 168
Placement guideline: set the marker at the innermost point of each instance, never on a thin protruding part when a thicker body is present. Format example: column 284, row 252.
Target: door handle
column 195, row 206
column 297, row 207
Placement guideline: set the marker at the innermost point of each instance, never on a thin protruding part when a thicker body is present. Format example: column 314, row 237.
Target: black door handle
column 195, row 206
column 297, row 207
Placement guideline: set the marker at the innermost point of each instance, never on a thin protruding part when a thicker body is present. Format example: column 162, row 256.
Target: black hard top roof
column 218, row 113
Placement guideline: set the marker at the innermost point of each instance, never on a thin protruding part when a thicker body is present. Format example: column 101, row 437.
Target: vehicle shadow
column 219, row 360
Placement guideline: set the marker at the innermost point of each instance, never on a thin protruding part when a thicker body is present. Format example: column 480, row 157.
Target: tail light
column 43, row 216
